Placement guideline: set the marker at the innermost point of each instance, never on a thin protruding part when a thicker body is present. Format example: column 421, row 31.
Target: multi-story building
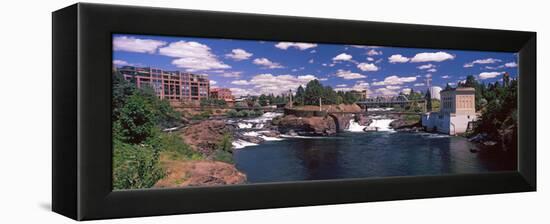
column 456, row 112
column 222, row 94
column 170, row 85
column 360, row 94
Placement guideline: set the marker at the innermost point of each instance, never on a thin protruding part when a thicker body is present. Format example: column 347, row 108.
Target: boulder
column 307, row 125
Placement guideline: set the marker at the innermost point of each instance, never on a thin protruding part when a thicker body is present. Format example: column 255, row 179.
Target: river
column 358, row 154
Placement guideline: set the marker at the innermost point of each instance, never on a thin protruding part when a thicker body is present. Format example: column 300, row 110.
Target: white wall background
column 25, row 114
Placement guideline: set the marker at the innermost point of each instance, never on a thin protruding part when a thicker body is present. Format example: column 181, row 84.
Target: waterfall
column 381, row 124
column 355, row 127
column 375, row 125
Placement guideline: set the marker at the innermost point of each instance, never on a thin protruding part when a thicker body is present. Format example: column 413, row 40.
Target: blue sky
column 255, row 67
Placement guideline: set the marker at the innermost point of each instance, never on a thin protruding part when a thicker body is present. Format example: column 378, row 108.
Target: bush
column 176, row 148
column 224, row 150
column 135, row 166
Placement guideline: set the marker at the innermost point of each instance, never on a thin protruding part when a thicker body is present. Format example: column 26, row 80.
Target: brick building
column 170, row 85
column 222, row 94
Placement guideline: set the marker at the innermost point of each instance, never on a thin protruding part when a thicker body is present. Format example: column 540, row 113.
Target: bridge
column 400, row 100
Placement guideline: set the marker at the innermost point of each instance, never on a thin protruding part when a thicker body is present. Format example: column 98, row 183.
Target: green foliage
column 210, row 102
column 300, row 95
column 174, row 146
column 428, row 101
column 136, row 120
column 202, row 115
column 224, row 149
column 314, row 91
column 135, row 166
column 244, row 113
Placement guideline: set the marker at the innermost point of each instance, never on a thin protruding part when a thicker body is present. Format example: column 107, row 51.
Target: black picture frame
column 82, row 152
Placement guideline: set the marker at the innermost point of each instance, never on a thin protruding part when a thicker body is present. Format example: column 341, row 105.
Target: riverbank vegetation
column 497, row 103
column 314, row 91
column 138, row 118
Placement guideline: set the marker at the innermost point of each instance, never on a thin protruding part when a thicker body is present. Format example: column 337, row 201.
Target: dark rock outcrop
column 205, row 136
column 307, row 125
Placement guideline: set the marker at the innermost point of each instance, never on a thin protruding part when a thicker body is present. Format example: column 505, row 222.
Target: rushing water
column 358, row 154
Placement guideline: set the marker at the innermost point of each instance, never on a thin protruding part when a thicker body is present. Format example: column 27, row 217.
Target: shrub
column 224, row 150
column 177, row 149
column 135, row 166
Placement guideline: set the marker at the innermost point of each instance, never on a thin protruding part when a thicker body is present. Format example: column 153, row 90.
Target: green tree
column 313, row 91
column 300, row 94
column 428, row 99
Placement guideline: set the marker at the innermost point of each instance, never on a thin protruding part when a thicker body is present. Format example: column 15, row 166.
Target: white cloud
column 300, row 46
column 397, row 58
column 385, row 92
column 276, row 84
column 393, row 87
column 132, row 44
column 367, row 67
column 445, row 77
column 239, row 54
column 240, row 91
column 432, row 70
column 419, row 84
column 313, row 51
column 370, row 59
column 482, row 61
column 511, row 65
column 406, row 90
column 311, row 61
column 394, row 80
column 240, row 82
column 192, row 56
column 428, row 75
column 120, row 62
column 341, row 85
column 266, row 63
column 231, row 74
column 212, row 82
column 426, row 66
column 342, row 57
column 346, row 74
column 374, row 52
column 433, row 57
column 488, row 75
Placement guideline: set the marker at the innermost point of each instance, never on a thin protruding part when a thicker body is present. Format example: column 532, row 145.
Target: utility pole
column 320, row 104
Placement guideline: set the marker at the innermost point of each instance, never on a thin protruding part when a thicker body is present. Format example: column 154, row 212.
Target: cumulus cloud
column 488, row 75
column 240, row 92
column 432, row 57
column 406, row 90
column 445, row 77
column 300, row 46
column 511, row 65
column 212, row 82
column 367, row 67
column 370, row 59
column 394, row 80
column 341, row 85
column 311, row 61
column 120, row 62
column 397, row 58
column 346, row 74
column 233, row 74
column 192, row 56
column 385, row 92
column 393, row 87
column 419, row 84
column 374, row 52
column 239, row 54
column 277, row 84
column 426, row 66
column 342, row 57
column 358, row 86
column 266, row 63
column 240, row 82
column 432, row 70
column 131, row 44
column 482, row 61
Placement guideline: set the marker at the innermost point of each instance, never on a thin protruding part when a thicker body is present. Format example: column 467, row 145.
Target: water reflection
column 359, row 155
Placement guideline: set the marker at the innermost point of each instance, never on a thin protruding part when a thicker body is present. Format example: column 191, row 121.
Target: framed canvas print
column 166, row 111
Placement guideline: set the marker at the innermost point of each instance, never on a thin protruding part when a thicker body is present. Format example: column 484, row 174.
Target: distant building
column 170, row 85
column 360, row 95
column 434, row 92
column 456, row 113
column 222, row 94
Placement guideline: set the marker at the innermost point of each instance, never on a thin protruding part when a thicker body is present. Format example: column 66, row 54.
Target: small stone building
column 456, row 113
